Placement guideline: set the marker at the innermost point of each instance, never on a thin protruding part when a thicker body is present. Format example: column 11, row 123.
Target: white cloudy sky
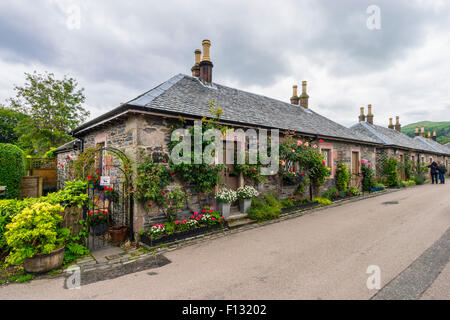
column 123, row 48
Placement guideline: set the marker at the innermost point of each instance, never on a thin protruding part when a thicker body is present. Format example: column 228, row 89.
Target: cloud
column 124, row 48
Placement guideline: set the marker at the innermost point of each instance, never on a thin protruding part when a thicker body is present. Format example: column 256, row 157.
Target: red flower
column 111, row 189
column 106, row 187
column 173, row 173
column 149, row 204
column 89, row 177
column 320, row 140
column 91, row 213
column 163, row 192
column 204, row 211
column 99, row 217
column 125, row 167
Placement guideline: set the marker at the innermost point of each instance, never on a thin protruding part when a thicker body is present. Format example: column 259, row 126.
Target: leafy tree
column 54, row 108
column 8, row 122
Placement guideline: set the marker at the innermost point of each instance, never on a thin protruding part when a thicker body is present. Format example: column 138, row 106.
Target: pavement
column 322, row 255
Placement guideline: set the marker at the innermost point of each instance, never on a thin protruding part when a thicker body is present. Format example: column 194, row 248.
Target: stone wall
column 64, row 168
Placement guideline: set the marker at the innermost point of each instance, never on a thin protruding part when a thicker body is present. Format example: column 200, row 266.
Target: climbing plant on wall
column 308, row 157
column 203, row 176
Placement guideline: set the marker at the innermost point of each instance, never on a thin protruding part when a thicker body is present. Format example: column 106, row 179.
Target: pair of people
column 437, row 170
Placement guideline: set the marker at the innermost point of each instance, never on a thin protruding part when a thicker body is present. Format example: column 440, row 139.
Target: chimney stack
column 434, row 135
column 369, row 114
column 416, row 133
column 196, row 68
column 398, row 126
column 304, row 96
column 294, row 98
column 429, row 135
column 362, row 117
column 422, row 131
column 391, row 125
column 206, row 64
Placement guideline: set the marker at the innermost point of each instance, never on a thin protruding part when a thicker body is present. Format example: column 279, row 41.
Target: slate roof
column 66, row 147
column 187, row 95
column 389, row 137
column 436, row 146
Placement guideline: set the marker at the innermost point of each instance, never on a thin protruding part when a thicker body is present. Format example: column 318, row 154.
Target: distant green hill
column 442, row 129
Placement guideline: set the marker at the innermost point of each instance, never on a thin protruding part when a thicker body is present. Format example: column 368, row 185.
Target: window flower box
column 181, row 235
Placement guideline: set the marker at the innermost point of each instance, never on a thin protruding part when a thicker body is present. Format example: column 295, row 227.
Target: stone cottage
column 394, row 143
column 144, row 124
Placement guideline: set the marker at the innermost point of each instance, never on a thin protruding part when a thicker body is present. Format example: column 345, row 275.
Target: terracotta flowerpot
column 44, row 262
column 118, row 233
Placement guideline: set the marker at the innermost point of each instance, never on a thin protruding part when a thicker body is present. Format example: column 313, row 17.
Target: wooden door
column 229, row 177
column 355, row 168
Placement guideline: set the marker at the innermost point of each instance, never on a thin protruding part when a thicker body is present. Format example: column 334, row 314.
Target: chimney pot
column 391, row 125
column 294, row 98
column 362, row 117
column 434, row 135
column 304, row 96
column 422, row 131
column 369, row 114
column 416, row 133
column 206, row 64
column 196, row 68
column 398, row 126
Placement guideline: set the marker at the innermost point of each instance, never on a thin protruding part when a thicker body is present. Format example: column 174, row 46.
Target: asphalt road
column 322, row 255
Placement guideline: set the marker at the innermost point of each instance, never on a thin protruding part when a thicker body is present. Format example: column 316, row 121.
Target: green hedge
column 12, row 168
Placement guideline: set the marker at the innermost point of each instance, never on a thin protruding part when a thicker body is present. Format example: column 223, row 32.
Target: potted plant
column 111, row 194
column 224, row 199
column 118, row 233
column 292, row 177
column 36, row 239
column 245, row 195
column 97, row 221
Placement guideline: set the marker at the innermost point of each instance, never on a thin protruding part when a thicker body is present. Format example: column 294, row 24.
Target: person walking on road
column 442, row 170
column 434, row 171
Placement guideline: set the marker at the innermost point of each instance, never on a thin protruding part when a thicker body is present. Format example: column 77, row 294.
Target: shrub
column 12, row 168
column 390, row 169
column 35, row 230
column 380, row 185
column 419, row 179
column 334, row 194
column 342, row 177
column 409, row 183
column 368, row 180
column 322, row 201
column 342, row 194
column 354, row 191
column 265, row 208
column 9, row 209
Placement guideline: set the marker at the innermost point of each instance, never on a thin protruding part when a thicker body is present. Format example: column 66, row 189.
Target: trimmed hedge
column 12, row 168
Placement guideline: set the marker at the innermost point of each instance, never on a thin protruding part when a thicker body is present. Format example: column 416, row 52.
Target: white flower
column 247, row 192
column 226, row 195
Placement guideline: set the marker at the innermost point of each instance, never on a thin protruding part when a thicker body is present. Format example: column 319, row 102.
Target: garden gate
column 110, row 206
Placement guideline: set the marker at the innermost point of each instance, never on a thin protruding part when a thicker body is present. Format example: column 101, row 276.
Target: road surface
column 322, row 255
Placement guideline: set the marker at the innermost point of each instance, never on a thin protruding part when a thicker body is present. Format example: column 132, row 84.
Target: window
column 327, row 155
column 289, row 165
